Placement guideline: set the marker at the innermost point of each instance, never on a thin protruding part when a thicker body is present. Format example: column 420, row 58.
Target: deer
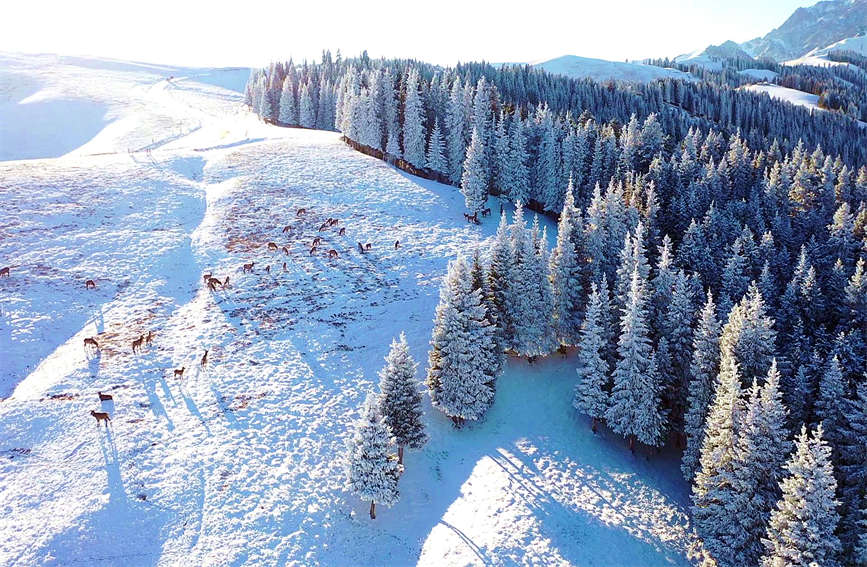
column 249, row 267
column 284, row 267
column 300, row 212
column 334, row 222
column 368, row 246
column 90, row 284
column 323, row 226
column 149, row 337
column 272, row 246
column 342, row 231
column 206, row 277
column 100, row 416
column 361, row 248
column 204, row 361
column 91, row 341
column 213, row 283
column 285, row 251
column 317, row 240
column 4, row 273
column 268, row 269
column 136, row 344
column 104, row 397
column 333, row 253
column 486, row 212
column 226, row 282
column 179, row 372
column 312, row 250
column 396, row 244
column 287, row 228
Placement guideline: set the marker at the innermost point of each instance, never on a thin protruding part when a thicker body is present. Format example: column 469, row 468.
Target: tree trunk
column 632, row 444
column 400, row 455
column 593, row 425
column 372, row 510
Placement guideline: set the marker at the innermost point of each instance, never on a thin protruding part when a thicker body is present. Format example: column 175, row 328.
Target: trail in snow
column 240, row 462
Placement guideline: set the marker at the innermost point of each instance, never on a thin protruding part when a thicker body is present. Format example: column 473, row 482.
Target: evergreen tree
column 413, row 122
column 306, row 109
column 371, row 472
column 474, row 182
column 400, row 400
column 436, row 159
column 801, row 528
column 519, row 177
column 459, row 375
column 591, row 392
column 288, row 106
column 566, row 273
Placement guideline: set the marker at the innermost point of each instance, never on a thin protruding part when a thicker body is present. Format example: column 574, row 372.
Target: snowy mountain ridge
column 577, row 67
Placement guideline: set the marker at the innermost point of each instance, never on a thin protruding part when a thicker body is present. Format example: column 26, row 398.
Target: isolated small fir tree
column 400, row 399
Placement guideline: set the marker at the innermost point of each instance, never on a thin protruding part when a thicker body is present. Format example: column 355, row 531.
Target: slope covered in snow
column 796, row 97
column 712, row 57
column 602, row 70
column 239, row 461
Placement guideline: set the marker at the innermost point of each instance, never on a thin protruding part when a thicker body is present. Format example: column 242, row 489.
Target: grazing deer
column 312, row 250
column 149, row 337
column 334, row 222
column 287, row 228
column 360, row 248
column 486, row 212
column 89, row 284
column 333, row 253
column 206, row 277
column 272, row 246
column 179, row 372
column 396, row 244
column 136, row 344
column 91, row 341
column 213, row 283
column 324, row 226
column 4, row 273
column 317, row 240
column 467, row 217
column 368, row 246
column 300, row 212
column 268, row 269
column 104, row 397
column 285, row 250
column 474, row 218
column 204, row 361
column 284, row 267
column 100, row 416
column 249, row 267
column 342, row 231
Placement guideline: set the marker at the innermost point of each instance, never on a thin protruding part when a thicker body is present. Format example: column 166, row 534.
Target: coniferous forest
column 708, row 268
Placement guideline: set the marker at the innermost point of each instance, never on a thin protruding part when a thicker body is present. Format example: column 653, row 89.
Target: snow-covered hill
column 810, row 28
column 239, row 462
column 712, row 56
column 796, row 97
column 602, row 70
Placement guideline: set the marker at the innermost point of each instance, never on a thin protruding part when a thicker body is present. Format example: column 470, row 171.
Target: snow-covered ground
column 240, row 462
column 796, row 97
column 759, row 74
column 819, row 57
column 602, row 70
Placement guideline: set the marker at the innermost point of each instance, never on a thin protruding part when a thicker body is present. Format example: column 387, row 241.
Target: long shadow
column 193, row 409
column 156, row 405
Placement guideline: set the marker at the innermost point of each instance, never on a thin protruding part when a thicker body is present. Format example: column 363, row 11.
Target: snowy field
column 143, row 184
column 796, row 97
column 601, row 70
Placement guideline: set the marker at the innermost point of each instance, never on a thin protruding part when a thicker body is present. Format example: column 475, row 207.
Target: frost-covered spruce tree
column 853, row 476
column 749, row 335
column 474, row 182
column 456, row 124
column 591, row 392
column 288, row 106
column 801, row 528
column 519, row 176
column 400, row 399
column 712, row 491
column 634, row 411
column 567, row 274
column 436, row 159
column 760, row 453
column 831, row 403
column 459, row 372
column 371, row 472
column 306, row 109
column 413, row 122
column 499, row 278
column 703, row 371
column 534, row 332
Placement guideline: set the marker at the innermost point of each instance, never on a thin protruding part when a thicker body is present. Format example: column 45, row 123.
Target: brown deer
column 368, row 246
column 100, row 416
column 486, row 212
column 4, row 273
column 342, row 231
column 149, row 337
column 334, row 222
column 179, row 372
column 213, row 283
column 272, row 246
column 268, row 269
column 104, row 397
column 361, row 247
column 89, row 284
column 323, row 226
column 249, row 267
column 396, row 244
column 91, row 341
column 206, row 277
column 284, row 267
column 333, row 253
column 285, row 250
column 204, row 361
column 226, row 282
column 300, row 212
column 287, row 228
column 136, row 344
column 317, row 240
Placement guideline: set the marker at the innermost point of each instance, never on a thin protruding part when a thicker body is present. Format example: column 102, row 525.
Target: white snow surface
column 240, row 462
column 759, row 74
column 601, row 70
column 796, row 97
